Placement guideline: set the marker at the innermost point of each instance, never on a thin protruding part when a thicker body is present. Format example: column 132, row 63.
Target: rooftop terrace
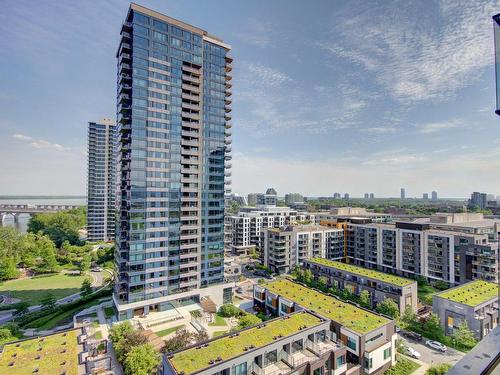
column 54, row 354
column 365, row 272
column 198, row 358
column 350, row 316
column 471, row 294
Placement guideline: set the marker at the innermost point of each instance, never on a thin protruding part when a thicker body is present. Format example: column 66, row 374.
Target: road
column 431, row 356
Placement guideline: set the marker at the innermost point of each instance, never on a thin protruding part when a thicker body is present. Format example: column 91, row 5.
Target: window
column 368, row 363
column 340, row 361
column 141, row 30
column 387, row 353
column 351, row 343
column 140, row 18
column 240, row 369
column 159, row 25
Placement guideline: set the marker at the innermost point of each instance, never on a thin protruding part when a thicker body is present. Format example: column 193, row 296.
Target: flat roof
column 198, row 358
column 361, row 271
column 59, row 354
column 350, row 316
column 471, row 294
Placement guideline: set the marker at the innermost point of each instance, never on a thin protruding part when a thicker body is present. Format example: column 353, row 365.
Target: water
column 22, row 224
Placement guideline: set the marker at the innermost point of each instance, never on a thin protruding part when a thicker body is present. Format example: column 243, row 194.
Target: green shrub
column 228, row 310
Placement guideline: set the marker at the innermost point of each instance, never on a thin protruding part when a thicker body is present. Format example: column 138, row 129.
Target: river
column 22, row 224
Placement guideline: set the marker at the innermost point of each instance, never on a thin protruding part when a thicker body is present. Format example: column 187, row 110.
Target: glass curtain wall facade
column 496, row 32
column 174, row 115
column 101, row 181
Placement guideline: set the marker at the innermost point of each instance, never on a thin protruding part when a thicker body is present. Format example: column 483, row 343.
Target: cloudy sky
column 328, row 96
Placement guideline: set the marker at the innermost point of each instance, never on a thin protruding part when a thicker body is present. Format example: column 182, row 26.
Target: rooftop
column 197, row 358
column 365, row 272
column 471, row 294
column 58, row 354
column 350, row 316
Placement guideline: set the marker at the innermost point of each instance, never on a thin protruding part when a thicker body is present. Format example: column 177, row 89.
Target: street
column 431, row 356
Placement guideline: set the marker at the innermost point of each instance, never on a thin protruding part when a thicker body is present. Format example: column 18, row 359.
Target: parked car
column 412, row 335
column 97, row 269
column 436, row 345
column 413, row 353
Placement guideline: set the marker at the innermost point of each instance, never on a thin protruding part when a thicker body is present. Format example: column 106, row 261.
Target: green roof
column 350, row 316
column 471, row 294
column 197, row 358
column 53, row 359
column 365, row 272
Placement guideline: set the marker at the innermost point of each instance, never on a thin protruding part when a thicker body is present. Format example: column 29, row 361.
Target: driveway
column 431, row 356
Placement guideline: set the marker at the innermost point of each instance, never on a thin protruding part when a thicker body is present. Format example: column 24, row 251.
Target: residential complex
column 357, row 279
column 243, row 231
column 496, row 31
column 174, row 112
column 292, row 198
column 475, row 302
column 369, row 338
column 300, row 342
column 286, row 247
column 101, row 180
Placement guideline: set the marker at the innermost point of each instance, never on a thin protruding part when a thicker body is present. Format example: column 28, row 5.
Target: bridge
column 17, row 209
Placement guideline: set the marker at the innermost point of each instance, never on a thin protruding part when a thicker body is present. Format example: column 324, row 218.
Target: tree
column 180, row 340
column 365, row 299
column 463, row 336
column 440, row 369
column 247, row 321
column 49, row 301
column 308, row 277
column 409, row 317
column 8, row 269
column 130, row 341
column 228, row 310
column 85, row 264
column 388, row 307
column 432, row 328
column 322, row 282
column 119, row 331
column 21, row 309
column 46, row 260
column 141, row 360
column 86, row 288
column 200, row 336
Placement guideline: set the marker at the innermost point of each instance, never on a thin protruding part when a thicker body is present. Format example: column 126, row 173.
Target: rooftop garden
column 52, row 354
column 224, row 348
column 471, row 294
column 348, row 315
column 364, row 272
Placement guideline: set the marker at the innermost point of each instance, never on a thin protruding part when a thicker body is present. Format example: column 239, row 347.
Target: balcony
column 189, row 78
column 228, row 141
column 228, row 125
column 123, row 97
column 194, row 98
column 191, row 88
column 191, row 70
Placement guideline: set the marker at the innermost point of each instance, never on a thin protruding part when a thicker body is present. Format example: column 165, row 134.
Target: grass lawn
column 33, row 290
column 219, row 321
column 59, row 353
column 98, row 335
column 218, row 333
column 404, row 366
column 169, row 330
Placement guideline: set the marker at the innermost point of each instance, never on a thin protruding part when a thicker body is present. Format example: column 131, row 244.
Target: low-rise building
column 475, row 302
column 369, row 338
column 357, row 279
column 287, row 247
column 296, row 343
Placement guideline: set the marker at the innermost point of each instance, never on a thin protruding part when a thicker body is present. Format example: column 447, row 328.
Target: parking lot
column 431, row 356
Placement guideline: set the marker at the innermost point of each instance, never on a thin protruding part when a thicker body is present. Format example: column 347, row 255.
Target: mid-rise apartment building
column 356, row 279
column 101, row 180
column 243, row 231
column 292, row 198
column 174, row 115
column 300, row 342
column 369, row 338
column 454, row 248
column 286, row 247
column 475, row 302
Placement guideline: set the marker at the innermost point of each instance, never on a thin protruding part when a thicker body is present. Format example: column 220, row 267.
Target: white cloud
column 417, row 54
column 40, row 143
column 434, row 127
column 257, row 33
column 268, row 76
column 380, row 130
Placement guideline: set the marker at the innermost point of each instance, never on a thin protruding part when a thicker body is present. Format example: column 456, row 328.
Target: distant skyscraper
column 434, row 196
column 346, row 196
column 496, row 32
column 252, row 199
column 101, row 181
column 425, row 196
column 174, row 111
column 478, row 199
column 336, row 195
column 367, row 196
column 403, row 193
column 292, row 198
column 372, row 196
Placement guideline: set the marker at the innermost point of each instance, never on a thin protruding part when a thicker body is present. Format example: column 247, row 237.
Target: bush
column 247, row 321
column 403, row 367
column 228, row 310
column 440, row 369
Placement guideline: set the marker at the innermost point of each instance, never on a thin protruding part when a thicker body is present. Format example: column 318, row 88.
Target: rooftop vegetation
column 224, row 348
column 364, row 272
column 350, row 316
column 472, row 294
column 52, row 354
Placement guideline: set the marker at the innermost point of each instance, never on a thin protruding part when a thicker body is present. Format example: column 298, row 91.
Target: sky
column 328, row 96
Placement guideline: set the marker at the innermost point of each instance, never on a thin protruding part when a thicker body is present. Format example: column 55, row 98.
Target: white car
column 436, row 345
column 413, row 353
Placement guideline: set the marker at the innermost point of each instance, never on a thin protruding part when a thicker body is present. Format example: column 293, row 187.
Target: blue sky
column 327, row 95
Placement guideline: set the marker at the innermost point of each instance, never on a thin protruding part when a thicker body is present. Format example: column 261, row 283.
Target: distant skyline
column 331, row 96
